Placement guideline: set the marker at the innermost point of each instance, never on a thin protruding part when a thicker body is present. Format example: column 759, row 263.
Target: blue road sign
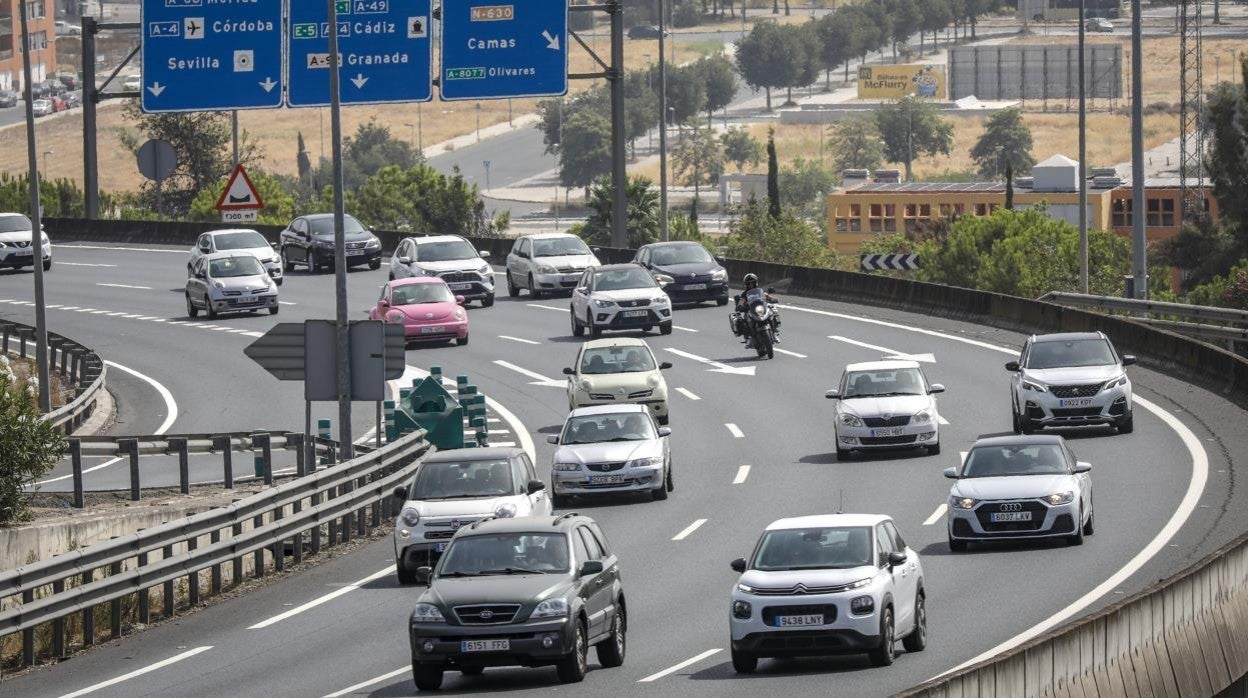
column 207, row 55
column 384, row 51
column 514, row 48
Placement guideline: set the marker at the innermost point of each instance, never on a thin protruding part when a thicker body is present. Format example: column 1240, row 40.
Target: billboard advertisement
column 897, row 81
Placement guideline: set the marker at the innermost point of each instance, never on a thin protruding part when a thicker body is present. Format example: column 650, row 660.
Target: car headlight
column 860, row 583
column 551, row 608
column 745, row 588
column 323, row 243
column 1031, row 385
column 459, row 313
column 660, row 300
column 719, row 275
column 505, row 511
column 663, row 278
column 420, row 271
column 567, row 467
column 963, row 502
column 427, row 613
column 922, row 417
column 409, row 517
column 851, row 420
column 1058, row 498
column 373, row 243
column 586, row 386
column 1120, row 380
column 546, row 269
column 218, row 284
column 604, row 303
column 644, row 462
column 653, row 381
column 394, row 317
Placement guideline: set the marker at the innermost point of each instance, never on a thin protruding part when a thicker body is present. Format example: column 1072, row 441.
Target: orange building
column 1163, row 199
column 41, row 21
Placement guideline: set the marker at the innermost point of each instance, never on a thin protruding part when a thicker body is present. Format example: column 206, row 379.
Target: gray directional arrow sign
column 289, row 348
column 280, row 351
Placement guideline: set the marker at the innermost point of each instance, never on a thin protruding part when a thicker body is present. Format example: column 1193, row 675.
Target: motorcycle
column 757, row 323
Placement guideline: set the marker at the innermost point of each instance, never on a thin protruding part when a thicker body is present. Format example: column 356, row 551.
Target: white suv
column 450, row 257
column 547, row 263
column 458, row 487
column 1068, row 380
column 828, row 584
column 619, row 297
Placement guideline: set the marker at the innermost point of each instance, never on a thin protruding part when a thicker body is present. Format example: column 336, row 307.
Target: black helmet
column 751, row 279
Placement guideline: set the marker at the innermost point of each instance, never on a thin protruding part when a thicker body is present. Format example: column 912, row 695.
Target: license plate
column 432, row 330
column 1079, row 402
column 485, row 645
column 606, row 479
column 439, row 547
column 695, row 287
column 636, row 313
column 798, row 621
column 894, row 431
column 355, row 253
column 23, row 253
column 460, row 287
column 1008, row 516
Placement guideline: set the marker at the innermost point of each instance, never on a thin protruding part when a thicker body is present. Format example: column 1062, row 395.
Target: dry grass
column 24, row 371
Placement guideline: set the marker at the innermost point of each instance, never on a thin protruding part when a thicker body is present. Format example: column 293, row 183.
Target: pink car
column 426, row 307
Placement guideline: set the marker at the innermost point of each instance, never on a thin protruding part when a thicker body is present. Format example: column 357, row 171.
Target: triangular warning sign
column 240, row 194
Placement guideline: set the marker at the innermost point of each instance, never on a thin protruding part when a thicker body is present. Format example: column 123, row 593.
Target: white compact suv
column 827, row 584
column 885, row 404
column 618, row 370
column 450, row 257
column 15, row 237
column 1068, row 380
column 458, row 487
column 619, row 297
column 547, row 263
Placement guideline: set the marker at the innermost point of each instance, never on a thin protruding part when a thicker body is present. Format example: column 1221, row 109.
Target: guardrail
column 74, row 362
column 1142, row 310
column 327, row 505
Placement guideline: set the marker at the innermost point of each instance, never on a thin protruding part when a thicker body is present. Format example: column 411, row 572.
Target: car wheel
column 884, row 654
column 664, row 419
column 286, row 263
column 392, row 276
column 487, row 301
column 577, row 329
column 660, row 494
column 314, row 267
column 461, row 341
column 191, row 310
column 375, row 264
column 279, row 281
column 842, row 454
column 427, row 678
column 405, row 576
column 1090, row 527
column 273, row 310
column 721, row 302
column 511, row 286
column 472, row 670
column 1077, row 539
column 743, row 662
column 670, row 485
column 611, row 650
column 47, row 265
column 594, row 331
column 1126, row 426
column 1018, row 426
column 572, row 667
column 934, row 449
column 560, row 501
column 916, row 641
column 957, row 546
column 208, row 310
column 533, row 292
column 665, row 328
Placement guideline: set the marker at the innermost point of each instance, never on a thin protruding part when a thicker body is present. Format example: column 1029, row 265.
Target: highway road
column 1165, row 494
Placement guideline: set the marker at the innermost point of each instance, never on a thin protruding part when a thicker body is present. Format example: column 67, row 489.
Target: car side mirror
column 383, row 303
column 201, row 275
column 553, row 439
column 1011, row 366
column 737, row 565
column 204, row 247
column 895, row 559
column 273, row 245
column 535, row 486
column 665, row 365
column 833, row 394
column 665, row 431
column 423, row 573
column 936, row 388
column 1082, row 467
column 1128, row 359
column 400, row 494
column 567, row 371
column 405, row 260
column 485, row 254
column 591, row 567
column 951, row 473
column 305, row 235
column 461, row 300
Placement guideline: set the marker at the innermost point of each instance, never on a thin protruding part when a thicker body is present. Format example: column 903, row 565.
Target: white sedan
column 885, row 404
column 618, row 370
column 238, row 240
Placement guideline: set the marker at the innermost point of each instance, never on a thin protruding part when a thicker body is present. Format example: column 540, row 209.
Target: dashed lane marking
column 119, row 249
column 786, row 352
column 322, row 599
column 138, row 672
column 517, row 339
column 370, row 682
column 735, row 431
column 742, row 473
column 689, row 530
column 673, row 669
column 140, row 318
column 546, row 307
column 937, row 515
column 686, row 393
column 683, row 329
column 137, row 288
column 84, row 264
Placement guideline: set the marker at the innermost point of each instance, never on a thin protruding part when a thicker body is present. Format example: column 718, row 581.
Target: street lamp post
column 663, row 111
column 36, row 222
column 412, row 128
column 1083, row 156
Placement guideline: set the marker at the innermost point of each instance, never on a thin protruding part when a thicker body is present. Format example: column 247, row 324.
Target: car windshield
column 325, row 226
column 559, row 247
column 599, row 428
column 692, row 253
column 505, row 553
column 1004, row 461
column 883, row 383
column 620, row 279
column 14, row 224
column 415, row 294
column 1071, row 353
column 444, row 251
column 463, row 480
column 834, row 547
column 240, row 241
column 235, row 266
column 634, row 359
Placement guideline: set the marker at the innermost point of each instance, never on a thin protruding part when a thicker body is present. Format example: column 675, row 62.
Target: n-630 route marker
column 509, row 48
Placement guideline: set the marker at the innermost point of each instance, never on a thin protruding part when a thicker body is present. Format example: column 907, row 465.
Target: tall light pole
column 662, row 123
column 1083, row 157
column 1139, row 242
column 412, row 129
column 343, row 329
column 36, row 222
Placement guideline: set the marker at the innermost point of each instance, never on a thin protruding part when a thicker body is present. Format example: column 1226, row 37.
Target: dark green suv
column 532, row 591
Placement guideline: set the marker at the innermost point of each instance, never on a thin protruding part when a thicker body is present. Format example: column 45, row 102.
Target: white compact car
column 238, row 240
column 15, row 238
column 828, row 584
column 885, row 404
column 547, row 263
column 458, row 487
column 611, row 449
column 1013, row 487
column 1069, row 380
column 620, row 297
column 450, row 257
column 618, row 370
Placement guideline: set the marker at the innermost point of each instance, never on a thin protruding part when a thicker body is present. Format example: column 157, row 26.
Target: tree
column 643, row 212
column 31, row 445
column 698, row 158
column 1227, row 120
column 279, row 204
column 797, row 57
column 1006, row 140
column 364, row 153
column 641, row 107
column 303, row 163
column 907, row 16
column 686, row 92
column 936, row 16
column 785, row 239
column 775, row 56
column 912, row 128
column 773, row 176
column 856, row 144
column 834, row 36
column 720, row 81
column 804, row 185
column 421, row 199
column 740, row 147
column 585, row 153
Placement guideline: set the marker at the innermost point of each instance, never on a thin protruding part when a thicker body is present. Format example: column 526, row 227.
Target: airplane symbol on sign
column 194, row 27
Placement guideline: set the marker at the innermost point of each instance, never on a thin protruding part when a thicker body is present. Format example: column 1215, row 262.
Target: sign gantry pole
column 342, row 334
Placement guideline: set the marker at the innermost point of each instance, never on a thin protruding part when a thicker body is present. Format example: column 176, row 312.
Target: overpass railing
column 75, row 363
column 1232, row 324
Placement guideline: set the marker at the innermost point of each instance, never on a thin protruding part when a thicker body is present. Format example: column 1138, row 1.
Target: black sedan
column 694, row 273
column 309, row 240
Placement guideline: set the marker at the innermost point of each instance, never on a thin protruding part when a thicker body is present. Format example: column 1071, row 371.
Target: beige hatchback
column 618, row 370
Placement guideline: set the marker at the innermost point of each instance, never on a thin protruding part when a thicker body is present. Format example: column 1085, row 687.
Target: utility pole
column 36, row 222
column 663, row 120
column 1083, row 157
column 619, row 173
column 1139, row 260
column 234, row 133
column 340, row 248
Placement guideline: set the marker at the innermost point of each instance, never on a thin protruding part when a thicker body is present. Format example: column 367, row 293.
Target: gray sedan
column 228, row 282
column 610, row 449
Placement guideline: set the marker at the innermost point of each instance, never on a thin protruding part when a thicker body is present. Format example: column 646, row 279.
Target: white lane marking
column 683, row 329
column 687, row 394
column 786, row 352
column 716, row 366
column 942, row 421
column 889, row 353
column 538, row 379
column 689, row 530
column 52, row 306
column 468, row 432
column 287, row 303
column 742, row 473
column 546, row 307
column 64, row 307
column 735, row 431
column 83, row 264
column 897, row 326
column 120, row 249
column 936, row 515
column 503, row 444
column 171, row 414
column 137, row 288
column 138, row 672
column 673, row 669
column 322, row 599
column 365, row 684
column 517, row 339
column 99, row 312
column 147, row 318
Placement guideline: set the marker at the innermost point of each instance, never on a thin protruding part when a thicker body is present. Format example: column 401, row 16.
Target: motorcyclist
column 750, row 282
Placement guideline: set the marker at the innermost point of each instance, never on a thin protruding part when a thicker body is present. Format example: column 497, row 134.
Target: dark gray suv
column 534, row 591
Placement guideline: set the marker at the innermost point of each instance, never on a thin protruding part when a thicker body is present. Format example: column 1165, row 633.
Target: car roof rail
column 481, row 521
column 559, row 519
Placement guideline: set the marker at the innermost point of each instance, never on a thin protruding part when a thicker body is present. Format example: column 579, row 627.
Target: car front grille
column 604, row 467
column 985, row 511
column 640, row 303
column 798, row 641
column 798, row 590
column 487, row 614
column 356, row 245
column 439, row 535
column 601, row 396
column 887, row 440
column 620, row 321
column 828, row 611
column 640, row 394
column 570, row 270
column 453, row 524
column 1068, row 391
column 460, row 276
column 899, row 421
column 627, row 482
column 1067, row 412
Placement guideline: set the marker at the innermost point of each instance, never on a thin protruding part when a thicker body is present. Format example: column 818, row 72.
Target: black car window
column 240, row 241
column 447, row 251
column 899, row 544
column 883, row 383
column 1071, row 353
column 579, row 549
column 601, row 539
column 463, row 480
column 505, row 553
column 559, row 247
column 522, row 247
column 692, row 253
column 518, row 476
column 14, row 224
column 299, row 226
column 325, row 226
column 623, row 279
column 883, row 546
column 529, row 473
column 227, row 267
column 421, row 293
column 831, row 547
column 1021, row 459
column 591, row 545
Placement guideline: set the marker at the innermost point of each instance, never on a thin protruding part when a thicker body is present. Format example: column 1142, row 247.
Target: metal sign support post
column 91, row 97
column 619, row 175
column 36, row 223
column 663, row 119
column 1139, row 260
column 1083, row 155
column 343, row 333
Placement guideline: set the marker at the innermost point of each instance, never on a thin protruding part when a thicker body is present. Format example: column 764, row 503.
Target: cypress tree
column 773, row 176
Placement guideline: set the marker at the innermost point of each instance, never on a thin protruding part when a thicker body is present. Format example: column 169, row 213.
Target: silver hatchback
column 229, row 282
